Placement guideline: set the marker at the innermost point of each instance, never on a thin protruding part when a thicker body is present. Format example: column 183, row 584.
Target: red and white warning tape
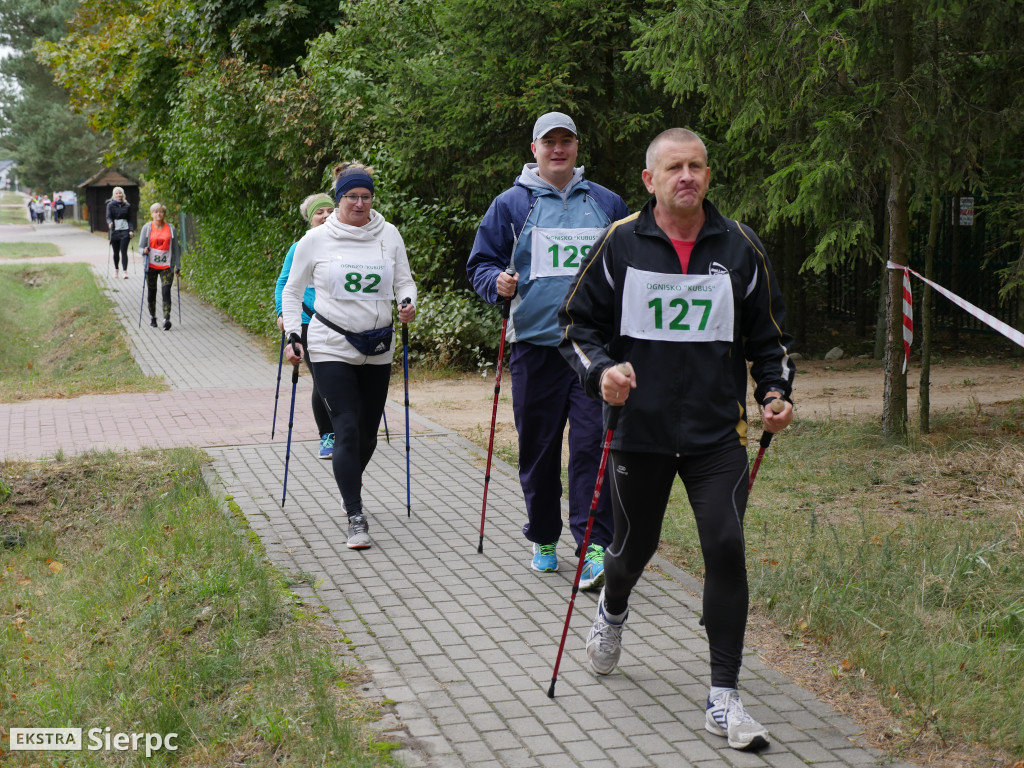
column 908, row 319
column 1017, row 337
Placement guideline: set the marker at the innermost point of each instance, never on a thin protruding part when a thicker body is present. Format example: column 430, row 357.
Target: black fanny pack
column 375, row 342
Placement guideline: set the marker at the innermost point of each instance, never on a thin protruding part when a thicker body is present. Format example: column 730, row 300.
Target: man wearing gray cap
column 527, row 250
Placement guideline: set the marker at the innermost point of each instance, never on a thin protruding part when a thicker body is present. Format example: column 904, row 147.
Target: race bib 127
column 662, row 307
column 558, row 252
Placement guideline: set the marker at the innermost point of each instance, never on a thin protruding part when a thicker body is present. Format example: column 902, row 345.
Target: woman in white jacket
column 357, row 264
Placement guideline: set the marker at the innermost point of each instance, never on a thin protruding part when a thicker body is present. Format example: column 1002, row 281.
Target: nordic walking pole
column 291, row 421
column 387, row 435
column 506, row 310
column 277, row 392
column 613, row 418
column 776, row 405
column 142, row 300
column 405, row 365
column 178, row 281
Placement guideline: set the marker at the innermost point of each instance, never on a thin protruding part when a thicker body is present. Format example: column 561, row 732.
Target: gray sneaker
column 358, row 532
column 604, row 643
column 725, row 716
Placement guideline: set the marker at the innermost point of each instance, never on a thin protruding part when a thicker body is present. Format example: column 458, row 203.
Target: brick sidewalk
column 462, row 642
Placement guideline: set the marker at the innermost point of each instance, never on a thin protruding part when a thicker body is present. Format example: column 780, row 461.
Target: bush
column 235, row 266
column 454, row 329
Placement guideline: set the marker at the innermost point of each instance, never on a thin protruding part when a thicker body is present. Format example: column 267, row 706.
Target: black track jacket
column 691, row 395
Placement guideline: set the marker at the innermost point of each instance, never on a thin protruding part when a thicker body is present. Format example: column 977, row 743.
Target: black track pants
column 716, row 485
column 320, row 414
column 355, row 397
column 120, row 246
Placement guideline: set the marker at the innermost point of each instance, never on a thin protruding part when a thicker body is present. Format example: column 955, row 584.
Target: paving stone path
column 463, row 643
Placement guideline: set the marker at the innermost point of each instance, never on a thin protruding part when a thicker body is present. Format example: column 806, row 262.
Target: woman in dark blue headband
column 358, row 266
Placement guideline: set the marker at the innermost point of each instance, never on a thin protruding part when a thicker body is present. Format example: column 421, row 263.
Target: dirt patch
column 845, row 389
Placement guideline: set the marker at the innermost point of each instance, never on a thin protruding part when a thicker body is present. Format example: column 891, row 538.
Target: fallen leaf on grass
column 54, row 566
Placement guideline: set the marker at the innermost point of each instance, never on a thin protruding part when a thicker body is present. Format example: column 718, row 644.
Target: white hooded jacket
column 359, row 274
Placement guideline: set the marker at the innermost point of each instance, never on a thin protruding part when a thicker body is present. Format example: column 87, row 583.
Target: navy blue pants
column 716, row 486
column 546, row 395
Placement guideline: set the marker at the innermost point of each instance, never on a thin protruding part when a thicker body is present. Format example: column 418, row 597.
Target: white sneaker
column 358, row 532
column 725, row 716
column 604, row 643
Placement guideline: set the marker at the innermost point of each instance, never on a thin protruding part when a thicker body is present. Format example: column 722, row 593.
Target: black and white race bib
column 120, row 224
column 368, row 280
column 662, row 307
column 557, row 252
column 159, row 258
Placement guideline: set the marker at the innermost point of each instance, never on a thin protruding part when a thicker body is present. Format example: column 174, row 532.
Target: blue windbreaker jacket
column 509, row 223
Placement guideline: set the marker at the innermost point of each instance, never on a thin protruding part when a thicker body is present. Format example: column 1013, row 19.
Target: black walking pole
column 145, row 268
column 291, row 421
column 777, row 405
column 613, row 419
column 387, row 435
column 405, row 365
column 178, row 281
column 277, row 392
column 506, row 310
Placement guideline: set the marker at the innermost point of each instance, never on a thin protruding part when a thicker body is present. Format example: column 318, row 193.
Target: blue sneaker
column 592, row 575
column 327, row 446
column 544, row 559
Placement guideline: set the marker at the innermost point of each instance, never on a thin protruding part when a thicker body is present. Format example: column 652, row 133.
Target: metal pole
column 506, row 309
column 291, row 421
column 613, row 417
column 277, row 392
column 405, row 365
column 777, row 405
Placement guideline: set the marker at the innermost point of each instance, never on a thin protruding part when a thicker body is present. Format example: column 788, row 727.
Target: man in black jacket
column 687, row 298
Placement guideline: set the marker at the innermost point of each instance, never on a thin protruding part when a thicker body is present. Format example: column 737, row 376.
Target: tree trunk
column 894, row 404
column 925, row 323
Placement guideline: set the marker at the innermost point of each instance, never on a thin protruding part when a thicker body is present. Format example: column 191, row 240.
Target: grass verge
column 133, row 603
column 14, row 214
column 903, row 563
column 63, row 339
column 27, row 250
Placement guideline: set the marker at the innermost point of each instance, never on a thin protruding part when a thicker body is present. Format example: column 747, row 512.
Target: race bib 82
column 363, row 280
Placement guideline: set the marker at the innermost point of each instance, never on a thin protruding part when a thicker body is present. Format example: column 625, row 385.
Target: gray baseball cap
column 551, row 120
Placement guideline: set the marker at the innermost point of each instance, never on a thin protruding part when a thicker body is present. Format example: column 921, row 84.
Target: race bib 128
column 662, row 307
column 558, row 252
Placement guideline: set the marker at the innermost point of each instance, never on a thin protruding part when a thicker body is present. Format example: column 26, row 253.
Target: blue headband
column 351, row 181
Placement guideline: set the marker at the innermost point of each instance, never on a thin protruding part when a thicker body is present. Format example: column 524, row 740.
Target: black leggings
column 716, row 485
column 166, row 281
column 320, row 414
column 355, row 397
column 120, row 246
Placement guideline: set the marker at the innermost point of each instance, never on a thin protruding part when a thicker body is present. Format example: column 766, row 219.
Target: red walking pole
column 506, row 310
column 777, row 405
column 613, row 419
